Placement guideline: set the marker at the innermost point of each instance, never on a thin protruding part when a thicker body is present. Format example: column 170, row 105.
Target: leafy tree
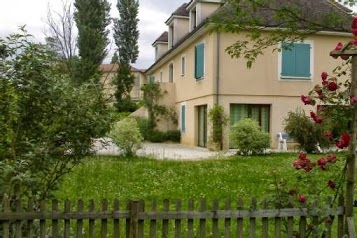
column 92, row 18
column 115, row 58
column 47, row 123
column 126, row 36
column 291, row 20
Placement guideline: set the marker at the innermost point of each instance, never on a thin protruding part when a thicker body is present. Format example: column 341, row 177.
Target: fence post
column 134, row 209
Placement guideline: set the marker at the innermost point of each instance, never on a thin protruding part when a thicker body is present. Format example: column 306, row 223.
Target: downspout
column 218, row 46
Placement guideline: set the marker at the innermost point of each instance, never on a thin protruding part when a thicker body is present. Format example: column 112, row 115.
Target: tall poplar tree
column 126, row 36
column 92, row 18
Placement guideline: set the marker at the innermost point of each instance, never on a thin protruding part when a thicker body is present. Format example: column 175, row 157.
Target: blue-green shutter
column 152, row 79
column 302, row 66
column 183, row 118
column 199, row 60
column 296, row 60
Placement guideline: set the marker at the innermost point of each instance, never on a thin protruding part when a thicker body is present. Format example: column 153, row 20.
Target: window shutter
column 296, row 61
column 288, row 61
column 302, row 65
column 183, row 118
column 199, row 61
column 152, row 79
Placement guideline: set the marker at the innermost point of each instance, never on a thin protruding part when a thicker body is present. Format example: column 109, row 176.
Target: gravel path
column 163, row 151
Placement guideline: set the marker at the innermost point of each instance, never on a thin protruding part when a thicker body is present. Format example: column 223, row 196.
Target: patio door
column 202, row 125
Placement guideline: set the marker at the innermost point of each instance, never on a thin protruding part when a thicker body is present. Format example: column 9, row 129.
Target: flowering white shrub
column 126, row 135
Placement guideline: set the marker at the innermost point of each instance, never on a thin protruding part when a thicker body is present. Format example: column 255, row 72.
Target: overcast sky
column 32, row 13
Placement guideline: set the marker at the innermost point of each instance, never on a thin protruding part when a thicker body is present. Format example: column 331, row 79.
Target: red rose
column 301, row 198
column 344, row 141
column 321, row 161
column 315, row 117
column 302, row 156
column 354, row 42
column 340, row 144
column 331, row 159
column 331, row 184
column 324, row 76
column 339, row 46
column 306, row 100
column 332, row 86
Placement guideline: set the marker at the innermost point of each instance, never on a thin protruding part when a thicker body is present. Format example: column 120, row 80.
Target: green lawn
column 147, row 179
column 143, row 178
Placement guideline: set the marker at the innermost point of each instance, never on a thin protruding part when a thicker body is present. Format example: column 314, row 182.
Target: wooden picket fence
column 167, row 219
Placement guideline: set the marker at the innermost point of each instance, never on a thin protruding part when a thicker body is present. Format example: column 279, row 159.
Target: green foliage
column 307, row 133
column 144, row 127
column 161, row 136
column 126, row 135
column 126, row 35
column 173, row 135
column 218, row 120
column 152, row 95
column 156, row 136
column 92, row 18
column 123, row 82
column 247, row 137
column 47, row 124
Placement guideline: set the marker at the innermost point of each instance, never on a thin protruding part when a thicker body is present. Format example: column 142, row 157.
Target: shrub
column 156, row 136
column 144, row 126
column 173, row 135
column 126, row 135
column 248, row 138
column 218, row 119
column 307, row 133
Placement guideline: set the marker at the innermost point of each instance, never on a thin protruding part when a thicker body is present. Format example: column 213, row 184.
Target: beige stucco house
column 110, row 70
column 194, row 68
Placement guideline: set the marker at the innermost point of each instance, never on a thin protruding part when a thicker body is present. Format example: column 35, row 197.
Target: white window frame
column 294, row 78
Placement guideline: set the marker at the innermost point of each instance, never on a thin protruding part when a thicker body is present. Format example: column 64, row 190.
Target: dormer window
column 156, row 52
column 171, row 36
column 193, row 19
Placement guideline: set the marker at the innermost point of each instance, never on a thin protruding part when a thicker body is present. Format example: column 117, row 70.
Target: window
column 183, row 118
column 160, row 76
column 193, row 21
column 199, row 61
column 183, row 66
column 152, row 79
column 171, row 73
column 258, row 112
column 156, row 52
column 296, row 59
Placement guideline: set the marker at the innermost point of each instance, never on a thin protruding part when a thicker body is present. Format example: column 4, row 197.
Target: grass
column 143, row 178
column 147, row 179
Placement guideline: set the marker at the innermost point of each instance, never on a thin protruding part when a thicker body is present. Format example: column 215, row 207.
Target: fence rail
column 198, row 219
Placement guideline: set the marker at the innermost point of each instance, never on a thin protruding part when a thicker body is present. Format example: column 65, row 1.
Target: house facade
column 109, row 71
column 196, row 71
